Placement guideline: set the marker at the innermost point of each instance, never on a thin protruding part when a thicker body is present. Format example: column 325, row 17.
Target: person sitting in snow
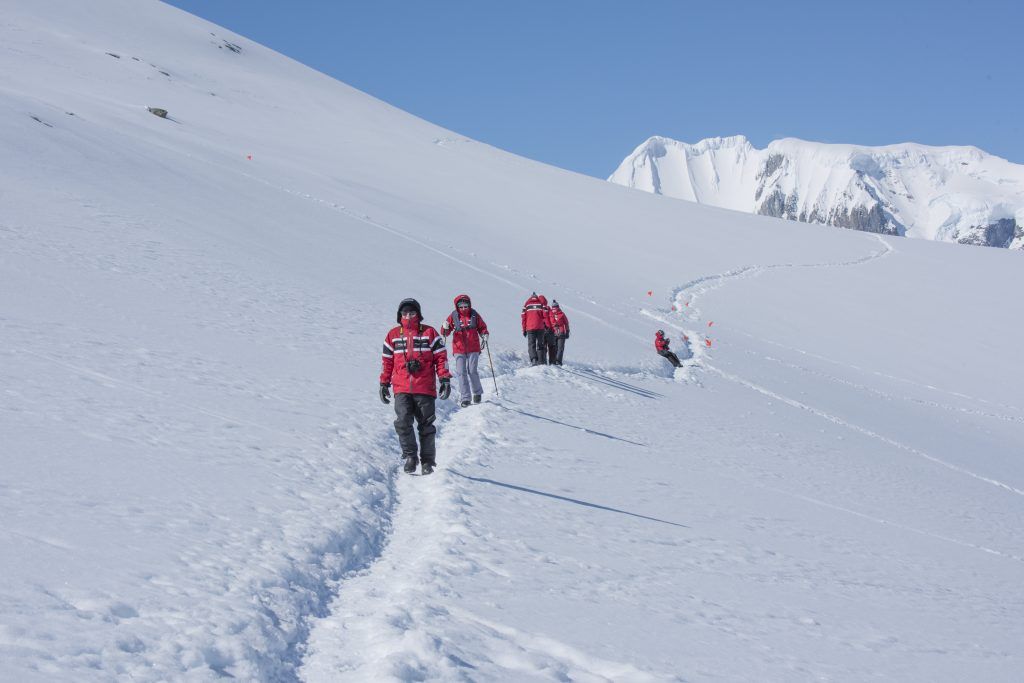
column 414, row 358
column 558, row 331
column 661, row 343
column 469, row 337
column 535, row 314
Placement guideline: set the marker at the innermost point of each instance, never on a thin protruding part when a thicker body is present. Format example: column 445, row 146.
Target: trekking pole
column 491, row 363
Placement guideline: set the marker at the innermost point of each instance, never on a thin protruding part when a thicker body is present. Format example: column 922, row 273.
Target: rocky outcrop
column 1002, row 233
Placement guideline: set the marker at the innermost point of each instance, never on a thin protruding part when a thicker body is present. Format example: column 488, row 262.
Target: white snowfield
column 950, row 194
column 198, row 481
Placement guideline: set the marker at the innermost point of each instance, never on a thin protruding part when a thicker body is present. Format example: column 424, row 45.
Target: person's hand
column 446, row 388
column 524, row 333
column 483, row 340
column 385, row 393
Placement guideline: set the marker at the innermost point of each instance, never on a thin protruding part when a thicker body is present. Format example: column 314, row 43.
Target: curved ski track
column 692, row 290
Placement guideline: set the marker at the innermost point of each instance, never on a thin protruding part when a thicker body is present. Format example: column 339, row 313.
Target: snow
column 936, row 193
column 197, row 479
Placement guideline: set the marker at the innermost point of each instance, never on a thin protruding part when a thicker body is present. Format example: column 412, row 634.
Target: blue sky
column 579, row 84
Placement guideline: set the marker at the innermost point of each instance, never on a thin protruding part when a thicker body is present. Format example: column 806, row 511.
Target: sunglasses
column 409, row 314
column 463, row 304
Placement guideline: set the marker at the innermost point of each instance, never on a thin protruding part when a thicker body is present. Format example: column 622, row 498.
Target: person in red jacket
column 535, row 315
column 558, row 331
column 414, row 357
column 469, row 336
column 661, row 343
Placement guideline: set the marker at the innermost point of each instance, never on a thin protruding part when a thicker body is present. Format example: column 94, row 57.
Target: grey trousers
column 468, row 375
column 421, row 407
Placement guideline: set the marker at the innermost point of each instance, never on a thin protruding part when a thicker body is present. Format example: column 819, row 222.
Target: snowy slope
column 952, row 194
column 197, row 479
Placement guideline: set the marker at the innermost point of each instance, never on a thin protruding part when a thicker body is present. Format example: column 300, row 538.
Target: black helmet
column 661, row 333
column 408, row 303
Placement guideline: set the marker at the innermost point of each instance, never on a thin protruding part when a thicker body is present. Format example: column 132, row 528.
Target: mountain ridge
column 952, row 193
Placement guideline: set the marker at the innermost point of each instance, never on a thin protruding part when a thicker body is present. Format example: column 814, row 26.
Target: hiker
column 558, row 331
column 469, row 338
column 661, row 343
column 534, row 326
column 414, row 358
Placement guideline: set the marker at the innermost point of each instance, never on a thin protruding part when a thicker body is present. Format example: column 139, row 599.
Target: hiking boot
column 464, row 402
column 428, row 468
column 477, row 398
column 410, row 464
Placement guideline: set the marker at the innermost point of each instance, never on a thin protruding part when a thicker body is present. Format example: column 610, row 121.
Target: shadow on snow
column 584, row 503
column 566, row 424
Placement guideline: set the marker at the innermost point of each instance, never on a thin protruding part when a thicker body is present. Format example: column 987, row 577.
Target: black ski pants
column 420, row 407
column 672, row 358
column 537, row 347
column 550, row 348
column 556, row 347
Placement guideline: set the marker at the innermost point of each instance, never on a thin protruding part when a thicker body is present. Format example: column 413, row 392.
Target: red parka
column 412, row 340
column 535, row 314
column 558, row 322
column 465, row 326
column 660, row 342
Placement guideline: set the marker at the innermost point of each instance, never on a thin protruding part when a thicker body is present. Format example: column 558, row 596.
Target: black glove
column 524, row 333
column 446, row 388
column 385, row 393
column 566, row 335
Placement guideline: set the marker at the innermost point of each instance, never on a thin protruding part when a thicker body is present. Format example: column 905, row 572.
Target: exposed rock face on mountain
column 952, row 194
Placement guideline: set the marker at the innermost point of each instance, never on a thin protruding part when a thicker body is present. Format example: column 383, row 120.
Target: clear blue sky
column 579, row 84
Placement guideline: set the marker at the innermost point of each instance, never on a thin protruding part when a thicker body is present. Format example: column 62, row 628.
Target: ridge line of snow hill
column 390, row 621
column 951, row 194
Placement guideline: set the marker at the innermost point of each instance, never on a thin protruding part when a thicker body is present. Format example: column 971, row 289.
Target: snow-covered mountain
column 952, row 194
column 198, row 481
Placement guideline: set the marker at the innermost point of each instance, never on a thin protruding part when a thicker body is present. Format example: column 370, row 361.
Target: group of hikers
column 546, row 328
column 415, row 362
